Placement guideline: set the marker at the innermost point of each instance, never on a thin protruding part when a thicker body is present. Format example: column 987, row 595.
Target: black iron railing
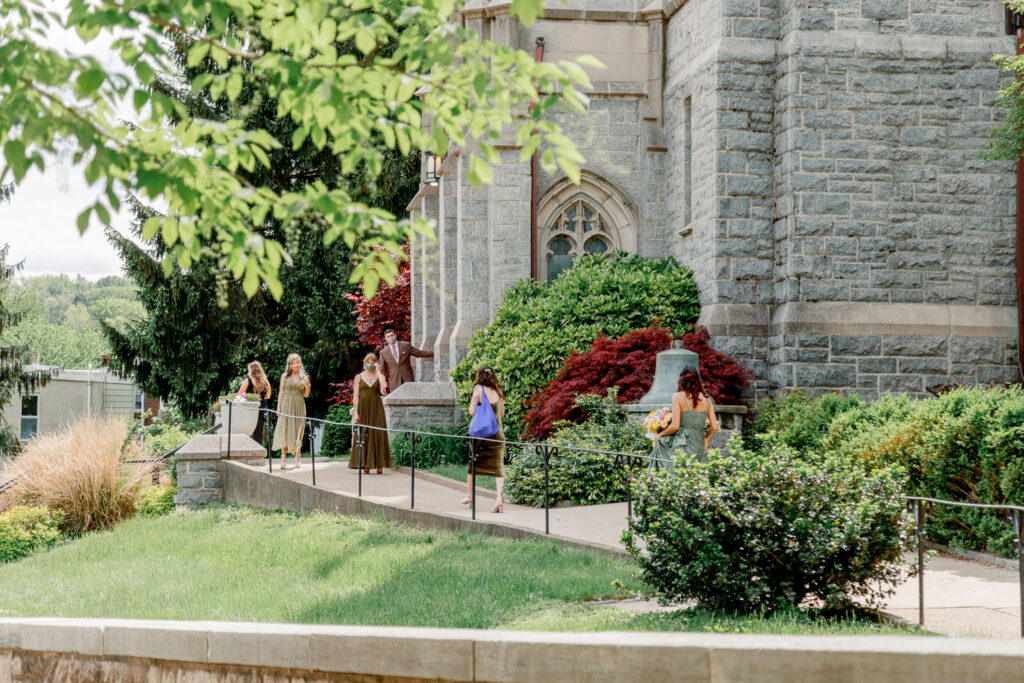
column 628, row 462
column 921, row 506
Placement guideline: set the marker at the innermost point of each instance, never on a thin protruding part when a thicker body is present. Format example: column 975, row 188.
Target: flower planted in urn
column 244, row 412
column 656, row 422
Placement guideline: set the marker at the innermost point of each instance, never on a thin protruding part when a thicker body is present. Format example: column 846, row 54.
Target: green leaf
column 479, row 172
column 590, row 60
column 89, row 81
column 139, row 99
column 526, row 10
column 169, row 231
column 197, row 53
column 150, row 227
column 83, row 220
column 14, row 152
column 234, row 88
column 365, row 41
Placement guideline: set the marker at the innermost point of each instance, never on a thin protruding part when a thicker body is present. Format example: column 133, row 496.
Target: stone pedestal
column 730, row 420
column 198, row 465
column 422, row 405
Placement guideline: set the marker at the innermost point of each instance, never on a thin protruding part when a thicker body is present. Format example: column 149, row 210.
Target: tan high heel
column 499, row 503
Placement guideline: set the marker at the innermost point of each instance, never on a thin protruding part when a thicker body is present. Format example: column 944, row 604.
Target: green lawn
column 459, row 473
column 241, row 564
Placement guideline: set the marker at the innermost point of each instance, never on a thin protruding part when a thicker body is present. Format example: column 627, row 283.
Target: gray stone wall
column 817, row 163
column 846, row 136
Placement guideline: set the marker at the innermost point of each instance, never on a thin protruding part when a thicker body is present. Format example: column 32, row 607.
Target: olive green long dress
column 288, row 432
column 376, row 449
column 689, row 439
column 490, row 453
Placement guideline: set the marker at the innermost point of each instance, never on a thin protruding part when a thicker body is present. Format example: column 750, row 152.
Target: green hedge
column 25, row 529
column 337, row 439
column 537, row 326
column 432, row 451
column 967, row 445
column 580, row 478
column 760, row 532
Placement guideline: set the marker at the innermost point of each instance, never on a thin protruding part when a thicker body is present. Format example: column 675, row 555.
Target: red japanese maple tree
column 390, row 307
column 628, row 362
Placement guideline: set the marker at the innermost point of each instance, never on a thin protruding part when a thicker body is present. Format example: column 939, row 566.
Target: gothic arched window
column 577, row 229
column 588, row 217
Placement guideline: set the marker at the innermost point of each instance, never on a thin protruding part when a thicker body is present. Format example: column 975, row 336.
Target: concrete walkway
column 962, row 597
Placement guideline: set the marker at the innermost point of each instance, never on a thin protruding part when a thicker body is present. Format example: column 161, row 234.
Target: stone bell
column 668, row 365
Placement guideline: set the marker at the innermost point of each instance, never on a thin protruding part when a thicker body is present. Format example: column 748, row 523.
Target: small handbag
column 483, row 425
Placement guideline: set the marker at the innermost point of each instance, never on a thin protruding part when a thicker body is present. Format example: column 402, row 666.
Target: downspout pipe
column 1015, row 27
column 534, row 234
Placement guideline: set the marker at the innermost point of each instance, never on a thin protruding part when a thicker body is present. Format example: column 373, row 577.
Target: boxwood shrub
column 759, row 532
column 579, row 477
column 337, row 439
column 25, row 529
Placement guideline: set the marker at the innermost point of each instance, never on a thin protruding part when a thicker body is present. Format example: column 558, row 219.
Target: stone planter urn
column 243, row 416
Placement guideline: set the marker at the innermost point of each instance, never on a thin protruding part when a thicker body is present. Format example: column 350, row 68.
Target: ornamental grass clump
column 80, row 471
column 762, row 532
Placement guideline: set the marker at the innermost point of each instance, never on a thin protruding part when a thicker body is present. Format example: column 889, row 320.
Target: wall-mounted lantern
column 433, row 164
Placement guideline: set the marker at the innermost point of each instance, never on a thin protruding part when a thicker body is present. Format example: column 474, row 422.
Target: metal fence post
column 547, row 478
column 229, row 428
column 312, row 454
column 1018, row 528
column 919, row 514
column 266, row 438
column 472, row 476
column 412, row 463
column 359, row 445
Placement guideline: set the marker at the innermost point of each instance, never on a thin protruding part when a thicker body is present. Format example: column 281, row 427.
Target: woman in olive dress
column 291, row 405
column 490, row 453
column 368, row 409
column 693, row 421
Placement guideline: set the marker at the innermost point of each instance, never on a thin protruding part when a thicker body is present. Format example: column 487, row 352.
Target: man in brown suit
column 396, row 359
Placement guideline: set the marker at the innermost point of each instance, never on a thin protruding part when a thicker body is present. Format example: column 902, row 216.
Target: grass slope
column 241, row 564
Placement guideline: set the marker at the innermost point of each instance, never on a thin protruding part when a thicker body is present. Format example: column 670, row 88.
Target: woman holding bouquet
column 693, row 421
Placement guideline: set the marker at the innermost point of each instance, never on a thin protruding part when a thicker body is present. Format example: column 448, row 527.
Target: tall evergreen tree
column 200, row 329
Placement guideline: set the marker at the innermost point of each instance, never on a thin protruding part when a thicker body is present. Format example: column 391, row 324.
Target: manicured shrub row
column 966, row 445
column 538, row 325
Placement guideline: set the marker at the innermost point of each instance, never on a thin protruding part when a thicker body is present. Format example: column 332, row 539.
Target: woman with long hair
column 490, row 452
column 257, row 383
column 693, row 422
column 368, row 409
column 291, row 405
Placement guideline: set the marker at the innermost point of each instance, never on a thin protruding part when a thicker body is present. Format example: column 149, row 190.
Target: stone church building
column 815, row 162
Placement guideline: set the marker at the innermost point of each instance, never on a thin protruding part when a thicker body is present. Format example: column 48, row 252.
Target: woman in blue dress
column 693, row 422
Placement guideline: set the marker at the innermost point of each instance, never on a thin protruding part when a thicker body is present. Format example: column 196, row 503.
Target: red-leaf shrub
column 628, row 362
column 390, row 307
column 343, row 394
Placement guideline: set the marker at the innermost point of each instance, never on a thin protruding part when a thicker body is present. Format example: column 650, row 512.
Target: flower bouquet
column 656, row 421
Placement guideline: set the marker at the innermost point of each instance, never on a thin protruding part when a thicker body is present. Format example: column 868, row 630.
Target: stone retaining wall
column 198, row 465
column 74, row 650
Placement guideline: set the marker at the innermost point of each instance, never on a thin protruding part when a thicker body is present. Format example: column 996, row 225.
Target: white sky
column 39, row 224
column 40, row 221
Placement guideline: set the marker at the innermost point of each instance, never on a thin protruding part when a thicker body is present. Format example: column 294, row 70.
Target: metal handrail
column 921, row 505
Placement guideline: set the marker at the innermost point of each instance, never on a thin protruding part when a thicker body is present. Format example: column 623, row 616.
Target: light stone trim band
column 752, row 320
column 307, row 652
